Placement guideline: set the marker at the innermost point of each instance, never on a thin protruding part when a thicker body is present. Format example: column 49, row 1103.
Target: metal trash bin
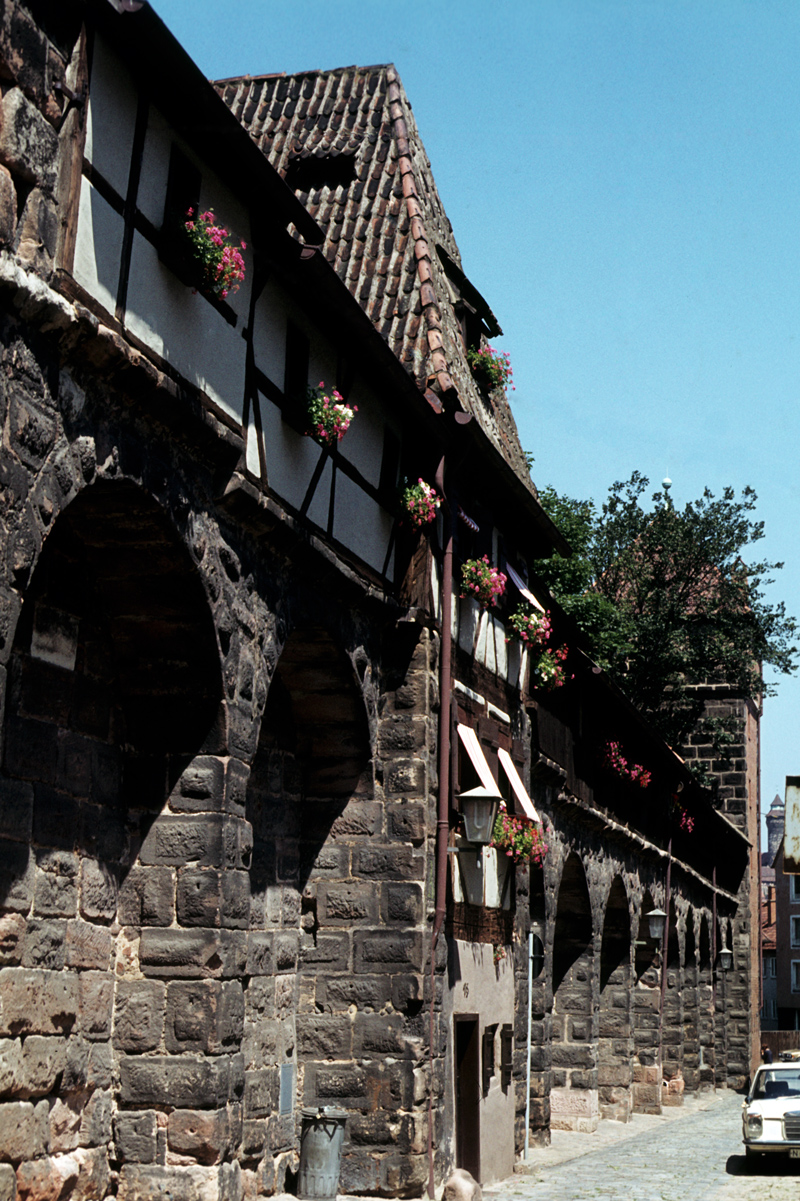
column 321, row 1140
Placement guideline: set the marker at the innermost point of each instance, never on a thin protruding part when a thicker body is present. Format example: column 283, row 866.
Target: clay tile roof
column 347, row 143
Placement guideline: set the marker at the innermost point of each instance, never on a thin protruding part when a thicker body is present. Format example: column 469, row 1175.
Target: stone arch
column 646, row 1015
column 541, row 1006
column 672, row 1016
column 705, row 1002
column 614, row 1034
column 113, row 712
column 573, row 1098
column 310, row 804
column 691, row 1014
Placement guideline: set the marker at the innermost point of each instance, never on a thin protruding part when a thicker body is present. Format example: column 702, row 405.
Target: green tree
column 666, row 600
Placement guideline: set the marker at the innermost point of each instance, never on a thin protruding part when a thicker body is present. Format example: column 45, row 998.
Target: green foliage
column 666, row 600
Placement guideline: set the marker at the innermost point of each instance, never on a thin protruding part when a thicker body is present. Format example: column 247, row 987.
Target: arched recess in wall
column 114, row 681
column 672, row 1016
column 114, row 686
column 614, row 1071
column 573, row 1103
column 310, row 803
column 691, row 1008
column 646, row 1003
column 705, row 1001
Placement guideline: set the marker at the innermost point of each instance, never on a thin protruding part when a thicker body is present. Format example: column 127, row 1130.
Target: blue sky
column 623, row 179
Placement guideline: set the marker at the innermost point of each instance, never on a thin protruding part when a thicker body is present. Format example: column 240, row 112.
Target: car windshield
column 770, row 1084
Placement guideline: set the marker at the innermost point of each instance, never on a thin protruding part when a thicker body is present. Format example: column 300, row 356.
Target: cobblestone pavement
column 692, row 1152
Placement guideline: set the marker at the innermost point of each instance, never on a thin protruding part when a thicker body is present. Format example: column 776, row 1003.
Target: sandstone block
column 139, row 1014
column 135, row 1136
column 8, row 1183
column 37, row 1002
column 203, row 1134
column 23, row 1135
column 88, row 946
column 42, row 1061
column 12, row 929
column 47, row 1179
column 28, row 143
column 44, row 943
column 147, row 897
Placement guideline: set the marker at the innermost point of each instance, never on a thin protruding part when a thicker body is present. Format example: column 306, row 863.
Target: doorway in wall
column 468, row 1091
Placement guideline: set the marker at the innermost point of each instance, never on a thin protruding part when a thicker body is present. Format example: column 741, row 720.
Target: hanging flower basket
column 482, row 582
column 220, row 264
column 491, row 368
column 547, row 672
column 529, row 627
column 420, row 501
column 328, row 416
column 517, row 838
column 616, row 762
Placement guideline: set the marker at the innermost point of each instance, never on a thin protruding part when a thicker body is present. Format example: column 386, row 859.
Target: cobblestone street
column 692, row 1152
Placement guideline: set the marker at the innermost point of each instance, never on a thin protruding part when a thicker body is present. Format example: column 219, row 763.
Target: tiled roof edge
column 422, row 249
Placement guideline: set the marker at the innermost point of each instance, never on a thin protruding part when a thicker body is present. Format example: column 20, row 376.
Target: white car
column 771, row 1112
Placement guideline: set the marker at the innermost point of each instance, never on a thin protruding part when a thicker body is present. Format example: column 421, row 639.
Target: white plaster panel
column 320, row 507
column 468, row 614
column 251, row 449
column 98, row 246
column 360, row 523
column 185, row 329
column 481, row 879
column 269, row 334
column 155, row 167
column 362, row 445
column 291, row 457
column 321, row 359
column 111, row 117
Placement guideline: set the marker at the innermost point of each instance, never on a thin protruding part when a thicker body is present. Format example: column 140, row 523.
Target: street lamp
column 479, row 810
column 725, row 959
column 656, row 920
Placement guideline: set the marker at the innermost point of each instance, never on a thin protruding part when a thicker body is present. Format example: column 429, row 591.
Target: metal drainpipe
column 664, row 953
column 714, row 970
column 530, row 1048
column 443, row 819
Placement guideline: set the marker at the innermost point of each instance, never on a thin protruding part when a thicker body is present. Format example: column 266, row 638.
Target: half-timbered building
column 243, row 694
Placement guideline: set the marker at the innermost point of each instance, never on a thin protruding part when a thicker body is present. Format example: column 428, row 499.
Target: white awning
column 477, row 757
column 526, row 592
column 517, row 785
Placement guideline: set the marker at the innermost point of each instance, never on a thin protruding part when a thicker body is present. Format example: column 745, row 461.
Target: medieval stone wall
column 216, row 791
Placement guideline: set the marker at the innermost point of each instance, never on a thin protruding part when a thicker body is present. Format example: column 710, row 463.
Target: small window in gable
column 314, row 172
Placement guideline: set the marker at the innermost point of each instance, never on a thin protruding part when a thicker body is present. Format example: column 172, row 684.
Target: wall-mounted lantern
column 656, row 923
column 479, row 810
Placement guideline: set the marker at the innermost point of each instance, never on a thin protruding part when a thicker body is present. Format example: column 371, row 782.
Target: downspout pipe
column 664, row 955
column 529, row 1049
column 443, row 809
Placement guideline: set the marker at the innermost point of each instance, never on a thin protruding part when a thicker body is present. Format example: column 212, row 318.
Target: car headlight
column 754, row 1125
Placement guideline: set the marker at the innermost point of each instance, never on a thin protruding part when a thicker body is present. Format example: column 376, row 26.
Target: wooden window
column 506, row 1055
column 487, row 1056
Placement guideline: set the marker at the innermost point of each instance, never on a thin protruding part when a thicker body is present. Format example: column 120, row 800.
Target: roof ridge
column 422, row 248
column 301, row 74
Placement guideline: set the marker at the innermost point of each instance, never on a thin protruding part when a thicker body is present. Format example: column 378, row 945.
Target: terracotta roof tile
column 383, row 225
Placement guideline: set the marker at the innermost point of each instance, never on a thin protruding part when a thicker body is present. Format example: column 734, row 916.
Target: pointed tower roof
column 347, row 143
